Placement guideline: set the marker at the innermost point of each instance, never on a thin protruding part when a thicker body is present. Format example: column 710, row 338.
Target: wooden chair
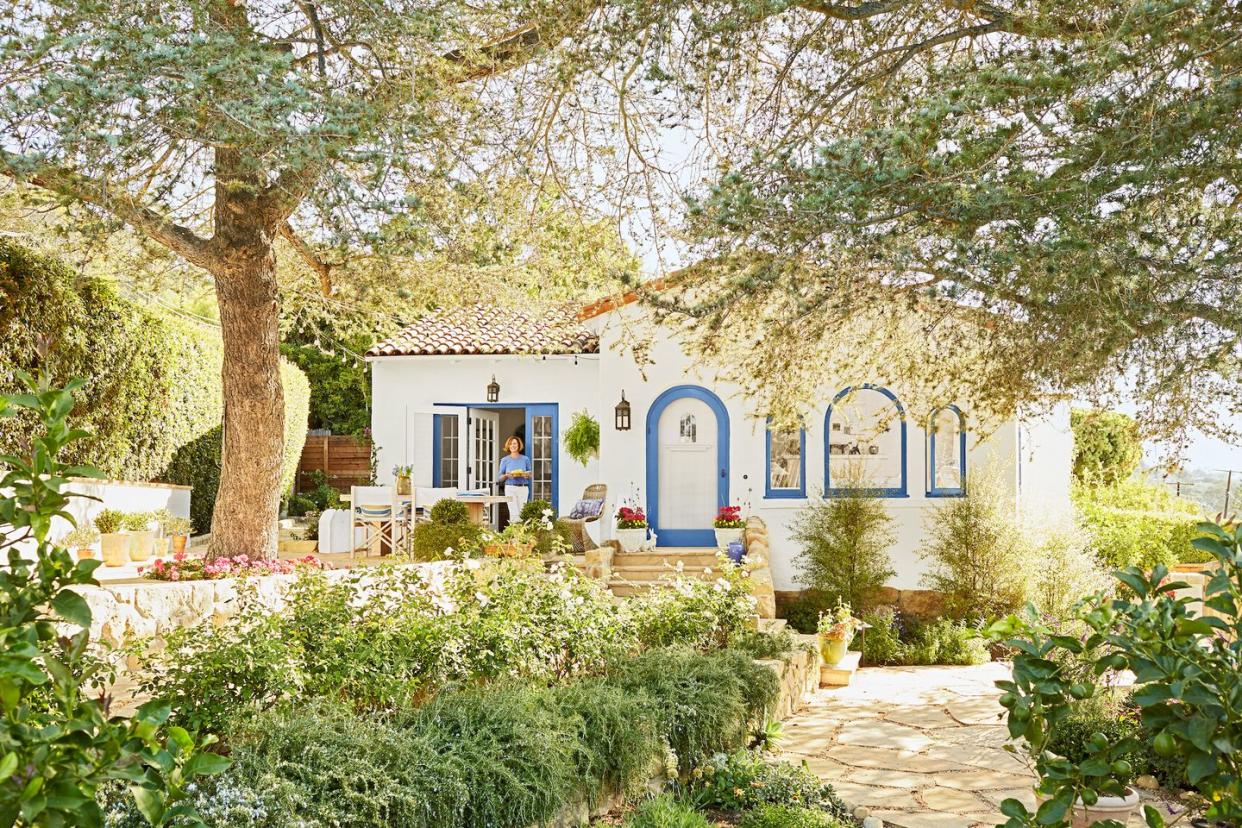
column 579, row 536
column 375, row 509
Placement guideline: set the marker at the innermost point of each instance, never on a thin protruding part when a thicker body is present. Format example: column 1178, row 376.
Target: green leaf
column 7, row 765
column 1053, row 811
column 150, row 803
column 1153, row 817
column 1200, row 766
column 72, row 607
column 1013, row 808
column 206, row 764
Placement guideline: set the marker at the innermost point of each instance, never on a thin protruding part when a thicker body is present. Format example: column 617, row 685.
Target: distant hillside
column 1207, row 488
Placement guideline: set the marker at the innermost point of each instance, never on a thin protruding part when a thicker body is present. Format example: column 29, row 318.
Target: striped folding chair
column 374, row 510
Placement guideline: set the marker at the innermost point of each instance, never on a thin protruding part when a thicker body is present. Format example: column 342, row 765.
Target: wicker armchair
column 579, row 536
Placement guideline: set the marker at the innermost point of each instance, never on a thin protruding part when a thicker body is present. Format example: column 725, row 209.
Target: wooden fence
column 346, row 461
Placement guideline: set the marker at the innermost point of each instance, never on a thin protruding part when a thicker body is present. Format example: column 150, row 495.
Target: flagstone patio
column 917, row 747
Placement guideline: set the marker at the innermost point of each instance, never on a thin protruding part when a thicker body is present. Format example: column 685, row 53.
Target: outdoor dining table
column 476, row 505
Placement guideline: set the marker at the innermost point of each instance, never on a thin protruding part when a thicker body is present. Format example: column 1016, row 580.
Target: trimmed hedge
column 152, row 398
column 197, row 463
column 1134, row 523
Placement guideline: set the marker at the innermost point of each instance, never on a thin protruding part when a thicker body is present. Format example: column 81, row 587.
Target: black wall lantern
column 493, row 390
column 623, row 414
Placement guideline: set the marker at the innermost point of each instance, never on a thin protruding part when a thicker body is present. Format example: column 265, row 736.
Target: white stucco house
column 693, row 442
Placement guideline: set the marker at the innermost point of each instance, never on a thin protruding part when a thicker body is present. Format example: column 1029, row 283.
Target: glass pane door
column 541, row 438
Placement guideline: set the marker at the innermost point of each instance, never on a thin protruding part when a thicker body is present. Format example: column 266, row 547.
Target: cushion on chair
column 586, row 509
column 426, row 497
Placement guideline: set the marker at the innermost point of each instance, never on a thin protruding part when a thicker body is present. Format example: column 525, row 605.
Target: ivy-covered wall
column 152, row 400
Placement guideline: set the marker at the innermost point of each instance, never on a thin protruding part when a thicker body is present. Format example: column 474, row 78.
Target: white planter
column 1106, row 807
column 632, row 540
column 725, row 536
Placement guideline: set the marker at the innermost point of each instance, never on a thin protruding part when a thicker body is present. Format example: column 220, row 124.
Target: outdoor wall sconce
column 623, row 414
column 493, row 390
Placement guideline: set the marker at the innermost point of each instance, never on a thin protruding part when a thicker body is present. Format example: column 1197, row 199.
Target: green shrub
column 60, row 744
column 197, row 463
column 152, row 398
column 431, row 541
column 882, row 645
column 764, row 645
column 320, row 495
column 745, row 780
column 534, row 509
column 1137, row 523
column 940, row 642
column 803, row 612
column 1107, row 446
column 449, row 512
column 844, row 548
column 311, row 532
column 665, row 812
column 978, row 557
column 787, row 816
column 703, row 702
column 617, row 742
column 340, row 390
column 299, row 505
column 692, row 612
column 109, row 521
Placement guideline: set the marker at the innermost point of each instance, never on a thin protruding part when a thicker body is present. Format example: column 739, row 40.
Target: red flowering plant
column 729, row 517
column 183, row 567
column 631, row 518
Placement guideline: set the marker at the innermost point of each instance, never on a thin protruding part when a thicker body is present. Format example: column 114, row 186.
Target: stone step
column 772, row 625
column 842, row 673
column 700, row 556
column 623, row 590
column 654, row 572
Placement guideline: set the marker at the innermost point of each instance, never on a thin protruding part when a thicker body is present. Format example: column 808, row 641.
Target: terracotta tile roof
column 483, row 329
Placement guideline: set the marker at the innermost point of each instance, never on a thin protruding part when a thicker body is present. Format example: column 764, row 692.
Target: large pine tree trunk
column 247, row 507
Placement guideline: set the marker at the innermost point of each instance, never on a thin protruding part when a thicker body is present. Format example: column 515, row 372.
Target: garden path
column 919, row 747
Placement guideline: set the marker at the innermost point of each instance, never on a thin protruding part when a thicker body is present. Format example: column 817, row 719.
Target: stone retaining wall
column 121, row 613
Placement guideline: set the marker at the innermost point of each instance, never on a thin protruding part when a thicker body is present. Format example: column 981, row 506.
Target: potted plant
column 729, row 525
column 141, row 535
column 81, row 539
column 581, row 439
column 113, row 543
column 516, row 541
column 631, row 528
column 836, row 630
column 403, row 475
column 177, row 529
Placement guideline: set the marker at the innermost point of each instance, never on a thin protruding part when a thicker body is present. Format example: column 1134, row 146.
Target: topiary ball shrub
column 437, row 541
column 449, row 512
column 534, row 509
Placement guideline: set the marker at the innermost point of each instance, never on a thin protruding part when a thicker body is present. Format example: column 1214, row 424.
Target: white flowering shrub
column 704, row 613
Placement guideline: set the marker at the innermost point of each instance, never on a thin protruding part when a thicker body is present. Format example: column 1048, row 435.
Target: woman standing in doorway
column 515, row 475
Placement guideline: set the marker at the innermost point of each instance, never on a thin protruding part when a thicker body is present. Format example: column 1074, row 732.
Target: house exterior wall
column 407, row 384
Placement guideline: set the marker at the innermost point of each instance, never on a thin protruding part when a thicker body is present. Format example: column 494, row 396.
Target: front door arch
column 687, row 465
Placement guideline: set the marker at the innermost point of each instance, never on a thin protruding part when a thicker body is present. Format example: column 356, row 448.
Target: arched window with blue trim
column 786, row 463
column 946, row 452
column 865, row 441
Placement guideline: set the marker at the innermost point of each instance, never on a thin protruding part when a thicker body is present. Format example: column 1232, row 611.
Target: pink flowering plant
column 183, row 567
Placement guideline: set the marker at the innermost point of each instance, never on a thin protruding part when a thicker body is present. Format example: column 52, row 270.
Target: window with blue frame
column 946, row 452
column 865, row 443
column 786, row 461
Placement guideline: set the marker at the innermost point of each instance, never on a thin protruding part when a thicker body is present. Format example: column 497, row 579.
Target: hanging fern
column 582, row 437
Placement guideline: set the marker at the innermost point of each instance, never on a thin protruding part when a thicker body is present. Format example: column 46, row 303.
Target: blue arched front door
column 687, row 465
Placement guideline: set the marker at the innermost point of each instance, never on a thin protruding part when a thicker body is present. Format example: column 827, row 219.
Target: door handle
column 724, row 472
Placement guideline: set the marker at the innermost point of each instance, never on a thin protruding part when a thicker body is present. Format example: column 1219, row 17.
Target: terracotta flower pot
column 178, row 543
column 833, row 649
column 508, row 550
column 114, row 548
column 86, row 553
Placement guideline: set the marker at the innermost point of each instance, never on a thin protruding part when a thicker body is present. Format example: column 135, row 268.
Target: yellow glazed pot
column 114, row 548
column 833, row 649
column 143, row 546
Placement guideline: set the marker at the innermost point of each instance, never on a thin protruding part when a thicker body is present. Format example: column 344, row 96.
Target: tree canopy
column 1049, row 187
